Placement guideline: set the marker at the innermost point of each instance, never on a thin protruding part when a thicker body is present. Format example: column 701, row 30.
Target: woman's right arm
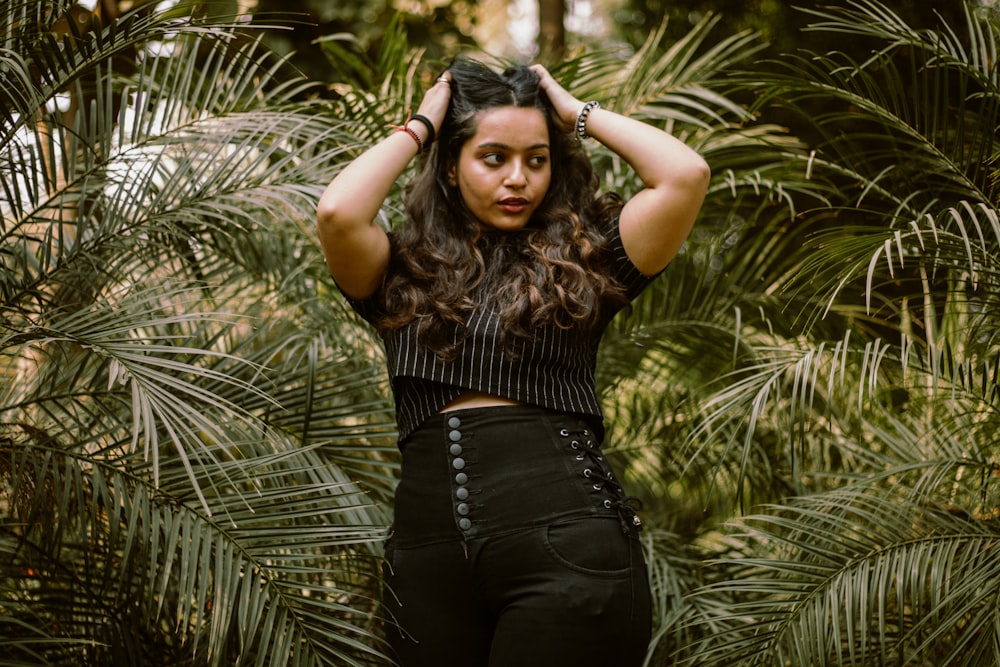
column 355, row 247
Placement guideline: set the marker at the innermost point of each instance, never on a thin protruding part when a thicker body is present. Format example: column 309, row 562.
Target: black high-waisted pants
column 513, row 546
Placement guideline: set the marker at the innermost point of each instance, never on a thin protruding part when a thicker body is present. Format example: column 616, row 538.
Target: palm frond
column 855, row 578
column 186, row 462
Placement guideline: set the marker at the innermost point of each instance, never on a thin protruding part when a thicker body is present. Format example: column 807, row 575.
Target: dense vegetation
column 196, row 437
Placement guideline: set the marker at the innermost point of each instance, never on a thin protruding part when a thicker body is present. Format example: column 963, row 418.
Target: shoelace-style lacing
column 602, row 479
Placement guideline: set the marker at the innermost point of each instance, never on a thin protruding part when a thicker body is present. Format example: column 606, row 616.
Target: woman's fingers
column 436, row 100
column 565, row 104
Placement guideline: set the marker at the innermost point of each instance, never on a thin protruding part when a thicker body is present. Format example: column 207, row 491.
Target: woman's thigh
column 571, row 593
column 433, row 614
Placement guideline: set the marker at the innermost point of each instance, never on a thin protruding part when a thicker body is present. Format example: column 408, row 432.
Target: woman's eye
column 538, row 160
column 493, row 159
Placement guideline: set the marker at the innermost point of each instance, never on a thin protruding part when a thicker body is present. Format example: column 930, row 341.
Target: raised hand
column 565, row 104
column 436, row 99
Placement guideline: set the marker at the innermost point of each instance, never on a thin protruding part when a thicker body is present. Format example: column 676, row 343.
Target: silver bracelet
column 581, row 119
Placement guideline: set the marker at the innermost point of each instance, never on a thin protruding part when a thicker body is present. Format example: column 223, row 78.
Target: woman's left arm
column 657, row 220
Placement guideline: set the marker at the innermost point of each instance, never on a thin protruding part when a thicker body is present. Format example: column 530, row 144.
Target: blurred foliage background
column 510, row 28
column 197, row 450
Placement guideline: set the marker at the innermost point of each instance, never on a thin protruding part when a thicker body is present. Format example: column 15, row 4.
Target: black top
column 555, row 370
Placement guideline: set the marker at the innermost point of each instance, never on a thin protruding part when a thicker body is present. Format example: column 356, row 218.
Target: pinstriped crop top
column 555, row 370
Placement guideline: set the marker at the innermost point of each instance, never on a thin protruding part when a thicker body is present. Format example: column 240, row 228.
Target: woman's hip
column 485, row 471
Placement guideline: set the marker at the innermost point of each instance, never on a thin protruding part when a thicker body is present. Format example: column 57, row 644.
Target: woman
column 513, row 543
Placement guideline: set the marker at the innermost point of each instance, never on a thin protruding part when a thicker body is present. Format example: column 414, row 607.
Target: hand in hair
column 355, row 247
column 655, row 222
column 565, row 104
column 434, row 105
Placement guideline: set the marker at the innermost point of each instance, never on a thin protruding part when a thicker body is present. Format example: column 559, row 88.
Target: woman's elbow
column 699, row 172
column 689, row 174
column 335, row 217
column 327, row 213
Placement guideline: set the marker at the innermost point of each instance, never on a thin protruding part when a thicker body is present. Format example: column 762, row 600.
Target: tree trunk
column 551, row 30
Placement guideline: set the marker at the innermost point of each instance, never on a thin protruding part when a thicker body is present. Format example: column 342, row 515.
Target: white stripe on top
column 555, row 370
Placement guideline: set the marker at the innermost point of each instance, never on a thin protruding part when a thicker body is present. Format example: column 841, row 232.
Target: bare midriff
column 477, row 399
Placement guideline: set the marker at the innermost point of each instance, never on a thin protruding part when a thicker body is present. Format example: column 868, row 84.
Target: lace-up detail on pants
column 599, row 478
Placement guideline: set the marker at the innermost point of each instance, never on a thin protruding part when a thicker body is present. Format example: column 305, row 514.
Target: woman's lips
column 514, row 205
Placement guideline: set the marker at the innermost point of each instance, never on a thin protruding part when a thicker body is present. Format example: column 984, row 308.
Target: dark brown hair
column 552, row 271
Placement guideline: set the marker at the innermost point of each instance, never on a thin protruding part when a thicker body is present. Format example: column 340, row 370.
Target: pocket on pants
column 591, row 545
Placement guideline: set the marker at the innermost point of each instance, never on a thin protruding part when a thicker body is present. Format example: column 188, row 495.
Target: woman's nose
column 515, row 175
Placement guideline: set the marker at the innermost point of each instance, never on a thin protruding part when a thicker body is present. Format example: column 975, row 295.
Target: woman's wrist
column 418, row 120
column 582, row 116
column 417, row 139
column 419, row 129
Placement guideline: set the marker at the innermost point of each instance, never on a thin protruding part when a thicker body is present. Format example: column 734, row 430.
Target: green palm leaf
column 198, row 449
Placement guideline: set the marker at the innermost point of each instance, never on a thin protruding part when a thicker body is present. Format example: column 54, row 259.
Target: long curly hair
column 551, row 271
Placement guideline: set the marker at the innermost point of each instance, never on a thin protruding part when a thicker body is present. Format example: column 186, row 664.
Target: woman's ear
column 453, row 174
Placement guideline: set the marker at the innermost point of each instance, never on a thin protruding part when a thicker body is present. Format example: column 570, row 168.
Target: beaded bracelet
column 416, row 137
column 581, row 119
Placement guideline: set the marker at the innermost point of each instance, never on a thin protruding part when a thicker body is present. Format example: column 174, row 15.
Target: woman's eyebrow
column 500, row 144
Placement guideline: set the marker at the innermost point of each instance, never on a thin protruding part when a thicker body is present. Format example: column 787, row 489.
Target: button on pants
column 513, row 545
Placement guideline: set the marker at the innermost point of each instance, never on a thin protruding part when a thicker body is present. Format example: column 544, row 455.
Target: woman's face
column 504, row 169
